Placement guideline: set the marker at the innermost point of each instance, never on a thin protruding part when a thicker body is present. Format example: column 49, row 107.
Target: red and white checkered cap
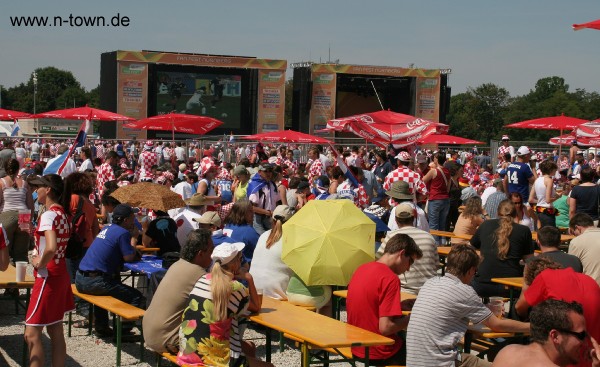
column 404, row 157
column 206, row 164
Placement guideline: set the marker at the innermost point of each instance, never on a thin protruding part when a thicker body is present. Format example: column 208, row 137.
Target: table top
column 403, row 295
column 148, row 265
column 516, row 282
column 147, row 249
column 315, row 329
column 482, row 331
column 7, row 279
column 563, row 237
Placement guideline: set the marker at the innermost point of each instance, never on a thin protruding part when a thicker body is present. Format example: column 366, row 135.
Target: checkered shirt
column 594, row 164
column 316, row 170
column 357, row 194
column 502, row 150
column 55, row 219
column 223, row 210
column 167, row 153
column 563, row 164
column 105, row 174
column 100, row 152
column 405, row 174
column 470, row 170
column 292, row 167
column 145, row 162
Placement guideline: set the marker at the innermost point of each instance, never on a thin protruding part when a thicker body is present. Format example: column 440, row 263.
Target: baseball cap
column 265, row 167
column 403, row 156
column 182, row 167
column 209, row 218
column 303, row 185
column 123, row 211
column 505, row 137
column 196, row 165
column 523, row 150
column 283, row 213
column 404, row 210
column 240, row 170
column 226, row 252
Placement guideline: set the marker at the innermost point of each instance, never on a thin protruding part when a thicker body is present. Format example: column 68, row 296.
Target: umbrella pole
column 560, row 145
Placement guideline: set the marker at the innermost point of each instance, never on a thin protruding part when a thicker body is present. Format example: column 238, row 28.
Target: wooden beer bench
column 121, row 312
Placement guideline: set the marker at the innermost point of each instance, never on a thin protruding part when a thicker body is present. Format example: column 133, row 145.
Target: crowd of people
column 228, row 239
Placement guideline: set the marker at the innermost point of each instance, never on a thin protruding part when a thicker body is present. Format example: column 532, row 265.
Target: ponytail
column 275, row 234
column 506, row 213
column 220, row 287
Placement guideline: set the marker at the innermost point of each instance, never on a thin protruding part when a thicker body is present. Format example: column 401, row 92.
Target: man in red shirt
column 374, row 299
column 545, row 279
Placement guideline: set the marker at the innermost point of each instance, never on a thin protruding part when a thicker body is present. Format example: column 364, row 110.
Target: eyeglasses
column 581, row 335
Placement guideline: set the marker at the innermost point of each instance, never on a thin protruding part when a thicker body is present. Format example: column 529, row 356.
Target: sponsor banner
column 323, row 100
column 428, row 98
column 132, row 92
column 375, row 70
column 200, row 60
column 271, row 100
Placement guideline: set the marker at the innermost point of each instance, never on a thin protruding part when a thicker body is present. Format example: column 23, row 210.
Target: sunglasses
column 517, row 202
column 579, row 335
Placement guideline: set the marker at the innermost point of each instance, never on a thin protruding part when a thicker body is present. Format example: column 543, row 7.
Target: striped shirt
column 423, row 268
column 439, row 320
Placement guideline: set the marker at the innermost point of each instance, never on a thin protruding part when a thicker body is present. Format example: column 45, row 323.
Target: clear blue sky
column 510, row 43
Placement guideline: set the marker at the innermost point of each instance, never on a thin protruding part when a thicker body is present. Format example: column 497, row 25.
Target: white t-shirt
column 270, row 273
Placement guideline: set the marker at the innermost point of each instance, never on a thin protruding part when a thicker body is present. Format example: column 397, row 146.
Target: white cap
column 523, row 150
column 226, row 252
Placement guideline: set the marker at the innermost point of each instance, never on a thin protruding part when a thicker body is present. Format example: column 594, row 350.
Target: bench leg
column 119, row 334
column 91, row 311
column 141, row 342
column 305, row 355
column 70, row 323
column 268, row 344
column 281, row 342
column 367, row 357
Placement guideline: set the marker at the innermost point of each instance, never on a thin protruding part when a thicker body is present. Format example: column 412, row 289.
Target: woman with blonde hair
column 503, row 244
column 211, row 332
column 271, row 274
column 469, row 220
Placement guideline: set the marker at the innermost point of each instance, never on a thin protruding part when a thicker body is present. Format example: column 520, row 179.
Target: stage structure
column 322, row 92
column 246, row 93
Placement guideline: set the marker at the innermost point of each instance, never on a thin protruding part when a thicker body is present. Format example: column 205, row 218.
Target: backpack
column 75, row 244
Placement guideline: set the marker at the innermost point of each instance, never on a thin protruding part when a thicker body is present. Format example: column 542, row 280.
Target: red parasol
column 447, row 140
column 593, row 25
column 12, row 115
column 288, row 136
column 589, row 129
column 567, row 139
column 387, row 127
column 561, row 122
column 82, row 113
column 182, row 123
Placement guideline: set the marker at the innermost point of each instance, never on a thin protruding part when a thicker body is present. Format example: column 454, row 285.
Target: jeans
column 106, row 285
column 437, row 215
column 262, row 223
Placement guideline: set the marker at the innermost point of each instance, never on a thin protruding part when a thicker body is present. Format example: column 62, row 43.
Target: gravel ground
column 84, row 350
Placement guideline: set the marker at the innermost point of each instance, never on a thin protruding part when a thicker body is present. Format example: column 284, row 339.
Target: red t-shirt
column 373, row 292
column 569, row 286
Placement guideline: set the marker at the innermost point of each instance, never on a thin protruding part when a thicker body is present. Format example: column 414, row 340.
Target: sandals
column 81, row 324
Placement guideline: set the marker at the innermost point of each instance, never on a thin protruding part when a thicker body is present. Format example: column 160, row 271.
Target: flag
column 15, row 129
column 343, row 167
column 59, row 163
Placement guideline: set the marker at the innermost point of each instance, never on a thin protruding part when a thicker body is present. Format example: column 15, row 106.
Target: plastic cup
column 260, row 296
column 21, row 267
column 496, row 305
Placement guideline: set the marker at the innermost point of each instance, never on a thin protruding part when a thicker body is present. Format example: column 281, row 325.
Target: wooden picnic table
column 512, row 284
column 146, row 250
column 404, row 296
column 563, row 237
column 478, row 331
column 313, row 329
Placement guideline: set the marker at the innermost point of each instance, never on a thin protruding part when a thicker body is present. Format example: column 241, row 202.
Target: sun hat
column 404, row 211
column 240, row 170
column 196, row 165
column 198, row 199
column 399, row 190
column 523, row 150
column 283, row 213
column 209, row 218
column 226, row 252
column 467, row 193
column 404, row 157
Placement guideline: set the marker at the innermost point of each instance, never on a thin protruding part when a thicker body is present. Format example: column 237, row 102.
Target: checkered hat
column 404, row 157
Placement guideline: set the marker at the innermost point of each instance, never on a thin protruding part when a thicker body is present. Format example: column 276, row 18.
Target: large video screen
column 203, row 94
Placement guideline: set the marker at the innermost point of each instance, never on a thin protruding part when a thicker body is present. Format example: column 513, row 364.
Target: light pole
column 34, row 90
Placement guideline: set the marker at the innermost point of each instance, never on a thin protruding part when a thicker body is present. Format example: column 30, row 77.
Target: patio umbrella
column 177, row 122
column 12, row 115
column 447, row 140
column 148, row 195
column 387, row 127
column 82, row 113
column 327, row 240
column 561, row 123
column 287, row 136
column 595, row 24
column 567, row 139
column 589, row 129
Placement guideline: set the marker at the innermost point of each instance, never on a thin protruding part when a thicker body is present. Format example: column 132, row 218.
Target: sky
column 511, row 43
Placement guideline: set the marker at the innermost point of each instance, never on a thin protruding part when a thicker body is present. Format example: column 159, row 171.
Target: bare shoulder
column 528, row 355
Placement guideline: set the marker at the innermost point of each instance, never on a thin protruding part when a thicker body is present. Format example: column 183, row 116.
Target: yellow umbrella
column 327, row 240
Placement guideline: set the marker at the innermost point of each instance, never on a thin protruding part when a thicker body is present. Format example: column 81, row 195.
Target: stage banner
column 132, row 92
column 271, row 101
column 200, row 60
column 323, row 100
column 428, row 98
column 375, row 70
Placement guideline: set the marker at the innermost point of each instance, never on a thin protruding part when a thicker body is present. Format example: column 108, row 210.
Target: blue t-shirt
column 107, row 251
column 244, row 233
column 224, row 187
column 518, row 175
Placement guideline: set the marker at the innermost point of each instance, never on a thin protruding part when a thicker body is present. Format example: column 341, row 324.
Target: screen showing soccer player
column 214, row 95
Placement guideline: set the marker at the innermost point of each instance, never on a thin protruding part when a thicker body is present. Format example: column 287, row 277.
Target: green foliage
column 482, row 112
